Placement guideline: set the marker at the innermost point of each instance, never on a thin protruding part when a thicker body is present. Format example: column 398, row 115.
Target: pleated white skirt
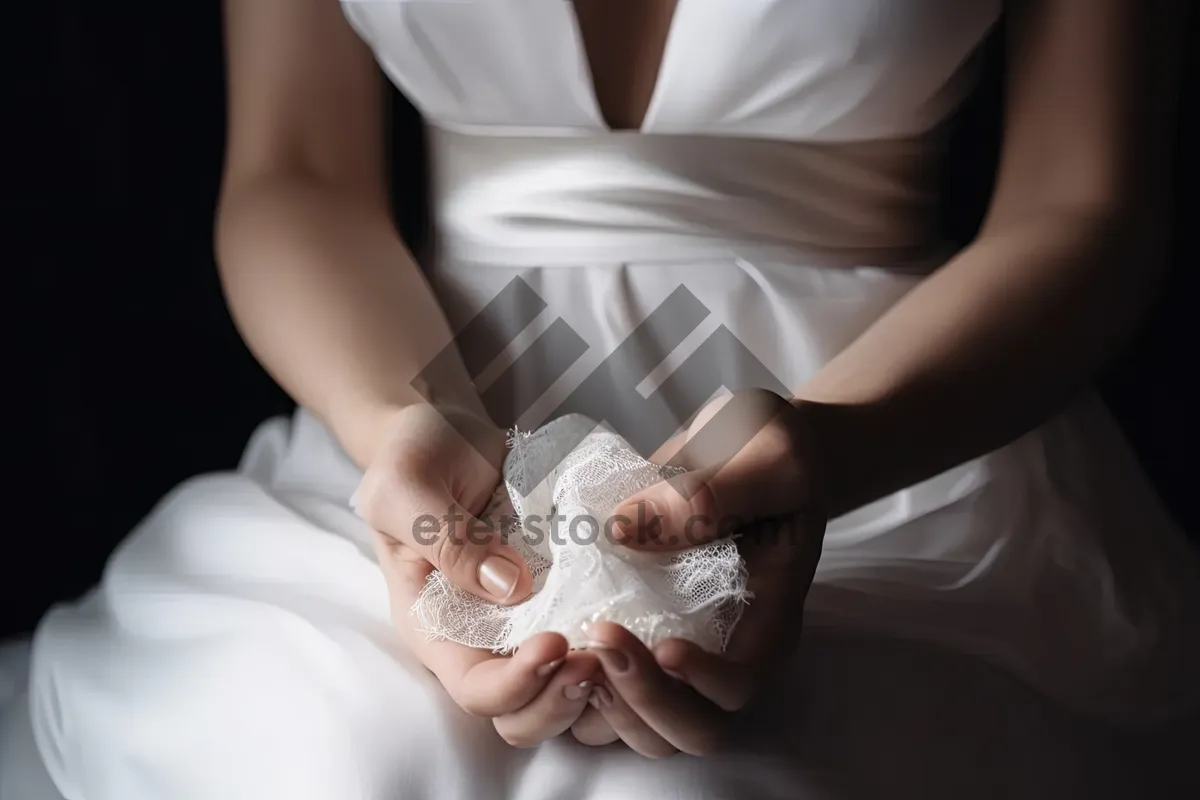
column 239, row 645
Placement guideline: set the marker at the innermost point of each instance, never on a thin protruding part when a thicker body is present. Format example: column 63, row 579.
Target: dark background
column 126, row 375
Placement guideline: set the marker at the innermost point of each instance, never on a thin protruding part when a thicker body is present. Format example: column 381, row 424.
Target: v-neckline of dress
column 583, row 59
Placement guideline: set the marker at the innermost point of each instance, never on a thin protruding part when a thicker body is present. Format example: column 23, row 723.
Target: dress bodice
column 808, row 70
column 794, row 125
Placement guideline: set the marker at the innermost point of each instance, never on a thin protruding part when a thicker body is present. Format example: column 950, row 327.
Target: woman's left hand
column 753, row 468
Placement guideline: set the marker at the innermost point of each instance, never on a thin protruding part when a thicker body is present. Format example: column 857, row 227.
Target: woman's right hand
column 444, row 464
column 534, row 695
column 436, row 468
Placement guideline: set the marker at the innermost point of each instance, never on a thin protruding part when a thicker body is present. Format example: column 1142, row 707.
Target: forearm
column 332, row 304
column 981, row 352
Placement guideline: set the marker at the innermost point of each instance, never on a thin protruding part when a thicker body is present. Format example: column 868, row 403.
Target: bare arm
column 317, row 279
column 1067, row 262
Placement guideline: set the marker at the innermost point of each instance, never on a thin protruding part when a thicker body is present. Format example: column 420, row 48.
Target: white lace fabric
column 562, row 525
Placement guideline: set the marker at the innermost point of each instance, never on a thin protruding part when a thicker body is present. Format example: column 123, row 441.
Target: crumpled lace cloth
column 558, row 516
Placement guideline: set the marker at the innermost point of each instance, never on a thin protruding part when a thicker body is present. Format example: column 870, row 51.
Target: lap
column 240, row 647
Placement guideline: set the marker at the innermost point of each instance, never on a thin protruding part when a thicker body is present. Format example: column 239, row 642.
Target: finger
column 727, row 684
column 417, row 511
column 479, row 681
column 498, row 685
column 592, row 729
column 556, row 706
column 781, row 558
column 750, row 471
column 405, row 572
column 671, row 708
column 670, row 450
column 629, row 727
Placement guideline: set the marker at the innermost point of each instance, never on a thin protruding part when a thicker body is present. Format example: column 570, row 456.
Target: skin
column 311, row 264
column 1067, row 262
column 1069, row 258
column 314, row 273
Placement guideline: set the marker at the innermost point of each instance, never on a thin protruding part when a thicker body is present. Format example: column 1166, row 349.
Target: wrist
column 850, row 452
column 364, row 425
column 362, row 428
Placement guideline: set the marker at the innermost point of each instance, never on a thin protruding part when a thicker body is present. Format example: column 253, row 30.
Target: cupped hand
column 681, row 698
column 531, row 696
column 752, row 469
column 436, row 469
column 435, row 472
column 750, row 456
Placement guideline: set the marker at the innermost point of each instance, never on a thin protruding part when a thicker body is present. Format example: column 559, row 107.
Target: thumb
column 751, row 471
column 469, row 551
column 699, row 507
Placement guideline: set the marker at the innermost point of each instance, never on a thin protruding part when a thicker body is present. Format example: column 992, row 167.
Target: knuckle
column 659, row 749
column 702, row 501
column 448, row 552
column 475, row 709
column 402, row 474
column 408, row 462
column 780, row 440
column 513, row 736
column 587, row 739
column 777, row 445
column 737, row 700
column 702, row 741
column 696, row 508
column 644, row 698
column 636, row 693
column 367, row 498
column 379, row 490
column 469, row 703
column 593, row 736
column 593, row 730
column 734, row 704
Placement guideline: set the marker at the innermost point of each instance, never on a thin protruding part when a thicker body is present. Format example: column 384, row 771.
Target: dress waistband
column 602, row 198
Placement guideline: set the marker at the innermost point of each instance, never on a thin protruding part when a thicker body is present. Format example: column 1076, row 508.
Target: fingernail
column 624, row 531
column 674, row 673
column 613, row 660
column 643, row 519
column 577, row 691
column 499, row 577
column 654, row 527
column 547, row 669
column 601, row 696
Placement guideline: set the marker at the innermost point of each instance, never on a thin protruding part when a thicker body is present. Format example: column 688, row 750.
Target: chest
column 624, row 42
column 796, row 69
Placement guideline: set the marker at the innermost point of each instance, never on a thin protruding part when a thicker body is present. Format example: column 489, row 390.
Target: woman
column 769, row 163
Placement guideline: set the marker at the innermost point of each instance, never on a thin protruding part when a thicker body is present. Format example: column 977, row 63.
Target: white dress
column 239, row 645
